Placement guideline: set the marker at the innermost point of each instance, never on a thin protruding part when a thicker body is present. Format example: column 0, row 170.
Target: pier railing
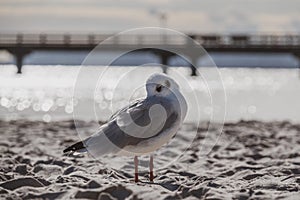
column 22, row 44
column 94, row 39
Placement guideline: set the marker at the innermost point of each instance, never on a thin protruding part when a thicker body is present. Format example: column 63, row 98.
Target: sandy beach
column 209, row 89
column 251, row 160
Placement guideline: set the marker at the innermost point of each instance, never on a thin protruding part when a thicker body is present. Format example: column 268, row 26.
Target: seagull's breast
column 176, row 108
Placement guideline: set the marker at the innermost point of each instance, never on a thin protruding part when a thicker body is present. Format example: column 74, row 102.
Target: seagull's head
column 161, row 85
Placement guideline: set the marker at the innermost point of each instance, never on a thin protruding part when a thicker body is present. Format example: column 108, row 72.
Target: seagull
column 142, row 127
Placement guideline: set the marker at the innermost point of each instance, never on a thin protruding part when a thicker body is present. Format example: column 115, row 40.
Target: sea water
column 47, row 92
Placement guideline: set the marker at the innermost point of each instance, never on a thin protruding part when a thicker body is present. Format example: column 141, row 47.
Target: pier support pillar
column 164, row 61
column 164, row 58
column 19, row 57
column 193, row 66
column 19, row 62
column 297, row 55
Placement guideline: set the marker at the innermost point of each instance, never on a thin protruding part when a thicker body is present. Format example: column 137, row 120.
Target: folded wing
column 137, row 122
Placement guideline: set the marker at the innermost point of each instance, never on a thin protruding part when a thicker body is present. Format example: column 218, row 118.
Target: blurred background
column 254, row 43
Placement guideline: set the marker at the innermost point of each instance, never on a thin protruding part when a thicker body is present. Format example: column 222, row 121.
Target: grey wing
column 133, row 104
column 112, row 137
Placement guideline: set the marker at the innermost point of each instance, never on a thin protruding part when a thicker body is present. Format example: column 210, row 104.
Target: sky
column 196, row 16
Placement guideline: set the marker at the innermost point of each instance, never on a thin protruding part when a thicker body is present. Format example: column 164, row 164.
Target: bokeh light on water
column 46, row 93
column 41, row 93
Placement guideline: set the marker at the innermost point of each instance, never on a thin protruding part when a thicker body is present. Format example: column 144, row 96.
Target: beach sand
column 252, row 160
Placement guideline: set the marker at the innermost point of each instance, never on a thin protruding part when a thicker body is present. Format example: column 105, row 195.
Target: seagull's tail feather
column 97, row 145
column 77, row 147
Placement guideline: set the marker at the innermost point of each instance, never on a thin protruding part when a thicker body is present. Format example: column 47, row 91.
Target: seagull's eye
column 158, row 88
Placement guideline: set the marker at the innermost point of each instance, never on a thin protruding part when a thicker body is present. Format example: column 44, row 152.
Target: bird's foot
column 136, row 177
column 151, row 177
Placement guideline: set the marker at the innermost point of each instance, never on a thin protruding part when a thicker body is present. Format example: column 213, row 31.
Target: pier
column 20, row 45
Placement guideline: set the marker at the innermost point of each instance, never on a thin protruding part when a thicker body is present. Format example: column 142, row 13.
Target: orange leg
column 136, row 172
column 151, row 168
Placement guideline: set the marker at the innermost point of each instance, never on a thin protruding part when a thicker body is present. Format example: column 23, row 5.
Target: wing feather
column 111, row 138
